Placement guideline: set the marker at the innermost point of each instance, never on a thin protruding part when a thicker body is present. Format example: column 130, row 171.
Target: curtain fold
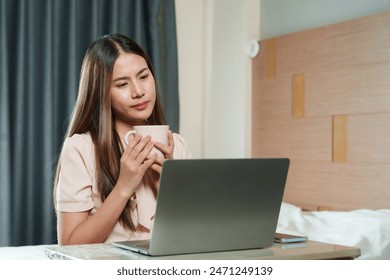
column 5, row 157
column 42, row 46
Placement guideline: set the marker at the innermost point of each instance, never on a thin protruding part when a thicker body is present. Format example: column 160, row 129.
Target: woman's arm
column 80, row 227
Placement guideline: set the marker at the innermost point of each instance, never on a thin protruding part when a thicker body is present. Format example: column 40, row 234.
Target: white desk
column 298, row 251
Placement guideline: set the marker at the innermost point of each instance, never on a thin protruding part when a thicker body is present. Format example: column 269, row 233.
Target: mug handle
column 126, row 138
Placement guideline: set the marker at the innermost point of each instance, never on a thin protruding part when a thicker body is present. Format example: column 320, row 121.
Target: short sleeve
column 181, row 150
column 74, row 189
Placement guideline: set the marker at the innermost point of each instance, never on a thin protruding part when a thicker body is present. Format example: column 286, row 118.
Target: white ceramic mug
column 158, row 133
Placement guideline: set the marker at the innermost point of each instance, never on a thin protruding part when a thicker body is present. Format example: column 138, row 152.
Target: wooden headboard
column 321, row 97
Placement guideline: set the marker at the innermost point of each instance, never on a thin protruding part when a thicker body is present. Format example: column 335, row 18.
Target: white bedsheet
column 368, row 230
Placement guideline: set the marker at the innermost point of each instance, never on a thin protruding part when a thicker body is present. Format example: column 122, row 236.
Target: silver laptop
column 210, row 205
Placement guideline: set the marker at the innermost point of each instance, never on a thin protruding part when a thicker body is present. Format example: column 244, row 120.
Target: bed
column 321, row 97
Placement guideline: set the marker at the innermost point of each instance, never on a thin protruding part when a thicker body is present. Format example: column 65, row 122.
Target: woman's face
column 133, row 91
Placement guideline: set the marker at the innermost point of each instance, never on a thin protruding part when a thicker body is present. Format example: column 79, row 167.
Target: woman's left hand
column 167, row 151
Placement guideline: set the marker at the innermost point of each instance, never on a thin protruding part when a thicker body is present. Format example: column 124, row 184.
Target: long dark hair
column 93, row 114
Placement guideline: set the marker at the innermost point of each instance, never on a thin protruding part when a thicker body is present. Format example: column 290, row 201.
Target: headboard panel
column 321, row 97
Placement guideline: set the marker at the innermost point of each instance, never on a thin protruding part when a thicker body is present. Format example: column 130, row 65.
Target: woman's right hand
column 134, row 163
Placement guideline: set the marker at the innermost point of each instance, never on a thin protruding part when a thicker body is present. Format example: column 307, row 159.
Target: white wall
column 280, row 17
column 215, row 74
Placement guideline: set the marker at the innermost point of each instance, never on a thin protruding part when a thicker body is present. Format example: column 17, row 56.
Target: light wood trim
column 298, row 96
column 340, row 139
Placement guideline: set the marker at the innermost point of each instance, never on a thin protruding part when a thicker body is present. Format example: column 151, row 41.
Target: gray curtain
column 42, row 44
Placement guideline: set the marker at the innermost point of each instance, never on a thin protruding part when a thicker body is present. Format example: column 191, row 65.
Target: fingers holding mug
column 159, row 133
column 167, row 150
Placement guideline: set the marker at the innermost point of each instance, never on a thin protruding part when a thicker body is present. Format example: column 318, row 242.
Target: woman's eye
column 121, row 85
column 144, row 77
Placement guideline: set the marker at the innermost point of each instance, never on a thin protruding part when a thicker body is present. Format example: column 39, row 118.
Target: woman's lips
column 140, row 106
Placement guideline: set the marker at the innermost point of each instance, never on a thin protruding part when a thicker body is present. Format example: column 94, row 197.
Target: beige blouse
column 77, row 190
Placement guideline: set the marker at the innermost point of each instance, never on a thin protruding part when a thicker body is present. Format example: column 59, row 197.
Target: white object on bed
column 368, row 230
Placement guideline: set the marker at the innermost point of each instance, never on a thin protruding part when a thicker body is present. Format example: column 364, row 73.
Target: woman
column 105, row 190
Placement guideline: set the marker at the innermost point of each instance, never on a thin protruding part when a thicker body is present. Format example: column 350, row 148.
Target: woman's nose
column 137, row 92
